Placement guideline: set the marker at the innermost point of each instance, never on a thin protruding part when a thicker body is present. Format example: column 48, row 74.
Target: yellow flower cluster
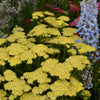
column 52, row 51
column 37, row 15
column 38, row 75
column 2, row 41
column 86, row 93
column 63, row 87
column 9, row 75
column 17, row 86
column 2, row 95
column 68, row 31
column 59, row 69
column 72, row 51
column 16, row 48
column 41, row 30
column 4, row 56
column 41, row 50
column 38, row 30
column 83, row 48
column 78, row 61
column 41, row 14
column 15, row 36
column 63, row 69
column 48, row 13
column 30, row 96
column 2, row 78
column 24, row 49
column 62, row 40
column 17, row 29
column 57, row 22
column 39, row 90
column 64, row 18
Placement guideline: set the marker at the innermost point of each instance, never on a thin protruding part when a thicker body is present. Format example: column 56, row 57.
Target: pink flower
column 69, row 10
column 56, row 9
column 75, row 22
column 61, row 11
column 70, row 1
column 75, row 8
column 47, row 5
column 71, row 24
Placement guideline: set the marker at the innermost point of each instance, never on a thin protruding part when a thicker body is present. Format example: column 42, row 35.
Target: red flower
column 77, row 34
column 98, row 5
column 27, row 21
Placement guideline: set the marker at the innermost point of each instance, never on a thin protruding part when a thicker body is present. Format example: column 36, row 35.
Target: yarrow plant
column 41, row 65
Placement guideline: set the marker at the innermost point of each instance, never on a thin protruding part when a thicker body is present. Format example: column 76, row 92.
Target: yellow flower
column 14, row 61
column 38, row 14
column 16, row 36
column 59, row 69
column 61, row 40
column 9, row 75
column 51, row 21
column 52, row 95
column 68, row 46
column 86, row 93
column 11, row 38
column 64, row 18
column 61, row 23
column 2, row 78
column 86, row 48
column 75, row 37
column 83, row 48
column 2, row 41
column 40, row 50
column 48, row 13
column 53, row 31
column 16, row 48
column 29, row 61
column 78, row 61
column 46, row 66
column 30, row 96
column 68, row 31
column 17, row 86
column 40, row 88
column 27, row 55
column 53, row 50
column 17, row 29
column 12, row 97
column 72, row 51
column 63, row 87
column 32, row 39
column 38, row 75
column 2, row 62
column 38, row 30
column 4, row 54
column 2, row 95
